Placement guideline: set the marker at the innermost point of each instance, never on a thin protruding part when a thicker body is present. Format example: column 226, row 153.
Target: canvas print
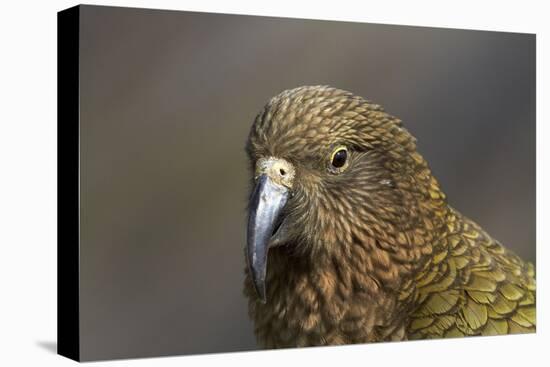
column 234, row 183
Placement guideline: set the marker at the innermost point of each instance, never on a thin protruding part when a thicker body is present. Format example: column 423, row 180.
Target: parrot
column 350, row 239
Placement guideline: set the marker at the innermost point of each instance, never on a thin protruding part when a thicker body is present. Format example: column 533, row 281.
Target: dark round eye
column 339, row 157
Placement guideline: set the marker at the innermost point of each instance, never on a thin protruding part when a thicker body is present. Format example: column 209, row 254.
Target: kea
column 350, row 238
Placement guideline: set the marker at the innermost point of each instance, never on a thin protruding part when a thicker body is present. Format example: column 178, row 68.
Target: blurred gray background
column 167, row 99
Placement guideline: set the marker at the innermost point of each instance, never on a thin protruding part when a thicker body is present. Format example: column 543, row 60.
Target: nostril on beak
column 278, row 169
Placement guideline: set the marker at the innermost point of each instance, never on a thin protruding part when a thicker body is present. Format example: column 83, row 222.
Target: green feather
column 478, row 283
column 495, row 327
column 511, row 291
column 475, row 315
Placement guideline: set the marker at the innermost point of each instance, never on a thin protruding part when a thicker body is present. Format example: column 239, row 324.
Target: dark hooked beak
column 267, row 201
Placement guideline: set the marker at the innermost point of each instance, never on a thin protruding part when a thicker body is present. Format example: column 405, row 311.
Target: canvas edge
column 68, row 183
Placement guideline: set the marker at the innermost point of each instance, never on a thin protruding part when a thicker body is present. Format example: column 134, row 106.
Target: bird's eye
column 339, row 157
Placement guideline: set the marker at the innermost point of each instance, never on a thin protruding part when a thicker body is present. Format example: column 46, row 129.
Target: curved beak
column 266, row 203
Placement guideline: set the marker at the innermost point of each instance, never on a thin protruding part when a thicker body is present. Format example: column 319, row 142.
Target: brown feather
column 374, row 252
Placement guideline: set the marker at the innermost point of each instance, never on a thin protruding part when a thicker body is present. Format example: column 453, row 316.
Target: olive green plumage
column 472, row 286
column 366, row 247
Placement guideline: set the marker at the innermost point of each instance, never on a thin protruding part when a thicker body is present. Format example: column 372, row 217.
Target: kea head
column 331, row 170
